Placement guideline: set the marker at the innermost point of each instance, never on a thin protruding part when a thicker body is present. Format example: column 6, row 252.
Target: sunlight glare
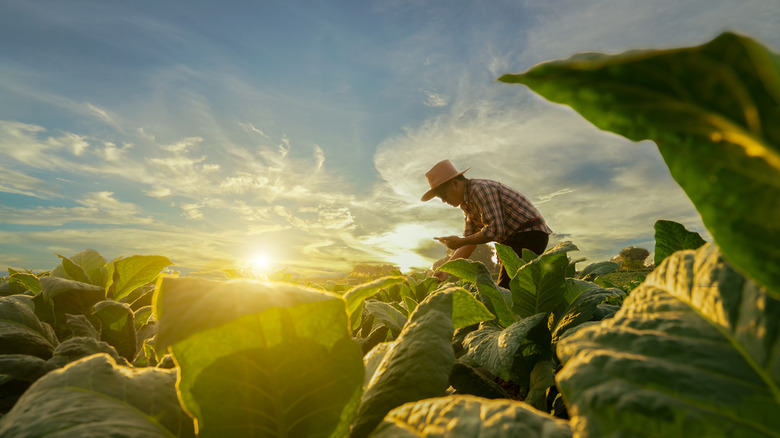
column 260, row 263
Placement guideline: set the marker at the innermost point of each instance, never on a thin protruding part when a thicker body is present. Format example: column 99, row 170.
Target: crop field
column 99, row 348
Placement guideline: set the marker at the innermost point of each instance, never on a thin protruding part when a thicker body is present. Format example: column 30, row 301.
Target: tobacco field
column 98, row 348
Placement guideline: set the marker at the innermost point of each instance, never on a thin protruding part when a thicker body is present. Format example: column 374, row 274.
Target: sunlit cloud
column 97, row 208
column 12, row 181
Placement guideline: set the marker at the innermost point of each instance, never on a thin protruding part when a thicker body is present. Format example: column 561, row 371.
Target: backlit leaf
column 132, row 272
column 260, row 359
column 713, row 111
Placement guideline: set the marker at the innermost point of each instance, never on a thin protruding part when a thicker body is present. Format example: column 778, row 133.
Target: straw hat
column 439, row 174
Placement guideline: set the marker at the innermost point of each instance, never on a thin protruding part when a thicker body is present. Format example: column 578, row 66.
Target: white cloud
column 97, row 208
column 434, row 99
column 192, row 211
column 251, row 128
column 12, row 181
column 101, row 113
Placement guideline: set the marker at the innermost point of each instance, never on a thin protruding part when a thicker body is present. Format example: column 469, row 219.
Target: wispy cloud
column 434, row 99
column 96, row 208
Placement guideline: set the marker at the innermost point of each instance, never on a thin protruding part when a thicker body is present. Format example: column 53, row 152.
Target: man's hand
column 452, row 242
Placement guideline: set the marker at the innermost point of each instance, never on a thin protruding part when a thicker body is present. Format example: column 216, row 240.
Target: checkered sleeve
column 469, row 228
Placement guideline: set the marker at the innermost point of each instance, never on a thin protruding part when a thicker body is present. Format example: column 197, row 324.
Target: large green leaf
column 465, row 416
column 510, row 260
column 540, row 285
column 80, row 326
column 24, row 367
column 477, row 273
column 467, row 310
column 713, row 112
column 29, row 281
column 360, row 293
column 80, row 347
column 74, row 271
column 117, row 327
column 495, row 349
column 692, row 352
column 671, row 237
column 388, row 315
column 416, row 366
column 69, row 297
column 22, row 333
column 132, row 272
column 261, row 359
column 88, row 263
column 95, row 397
column 599, row 268
column 581, row 302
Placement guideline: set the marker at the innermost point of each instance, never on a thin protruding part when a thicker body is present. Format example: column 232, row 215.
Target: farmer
column 494, row 213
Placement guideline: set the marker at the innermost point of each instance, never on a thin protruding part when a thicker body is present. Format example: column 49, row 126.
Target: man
column 493, row 213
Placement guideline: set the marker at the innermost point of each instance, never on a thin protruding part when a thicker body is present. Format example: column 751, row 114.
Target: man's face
column 448, row 194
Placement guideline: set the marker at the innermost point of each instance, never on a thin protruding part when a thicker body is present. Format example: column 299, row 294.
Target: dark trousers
column 534, row 240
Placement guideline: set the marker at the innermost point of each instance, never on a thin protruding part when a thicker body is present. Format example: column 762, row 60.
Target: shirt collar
column 466, row 194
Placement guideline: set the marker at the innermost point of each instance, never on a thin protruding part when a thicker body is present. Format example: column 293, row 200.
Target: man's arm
column 463, row 247
column 457, row 242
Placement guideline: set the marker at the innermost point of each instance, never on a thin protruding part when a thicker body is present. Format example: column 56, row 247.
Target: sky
column 296, row 134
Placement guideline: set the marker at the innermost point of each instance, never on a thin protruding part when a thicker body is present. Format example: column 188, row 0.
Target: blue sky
column 214, row 132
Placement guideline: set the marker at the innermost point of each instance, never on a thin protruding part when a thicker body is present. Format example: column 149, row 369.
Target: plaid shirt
column 497, row 210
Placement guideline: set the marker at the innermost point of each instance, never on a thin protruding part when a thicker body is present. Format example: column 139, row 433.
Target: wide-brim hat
column 440, row 174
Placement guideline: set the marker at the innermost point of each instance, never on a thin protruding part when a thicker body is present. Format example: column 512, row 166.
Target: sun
column 260, row 263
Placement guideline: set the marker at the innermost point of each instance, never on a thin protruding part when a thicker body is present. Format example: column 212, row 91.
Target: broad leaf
column 467, row 310
column 509, row 259
column 712, row 111
column 143, row 316
column 467, row 379
column 74, row 271
column 581, row 305
column 671, row 237
column 260, row 359
column 416, row 366
column 117, row 327
column 355, row 296
column 80, row 326
column 562, row 248
column 539, row 286
column 24, row 367
column 89, row 261
column 29, row 281
column 542, row 379
column 80, row 347
column 425, row 287
column 477, row 273
column 69, row 297
column 387, row 314
column 21, row 332
column 129, row 273
column 495, row 349
column 96, row 397
column 599, row 268
column 466, row 416
column 692, row 352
